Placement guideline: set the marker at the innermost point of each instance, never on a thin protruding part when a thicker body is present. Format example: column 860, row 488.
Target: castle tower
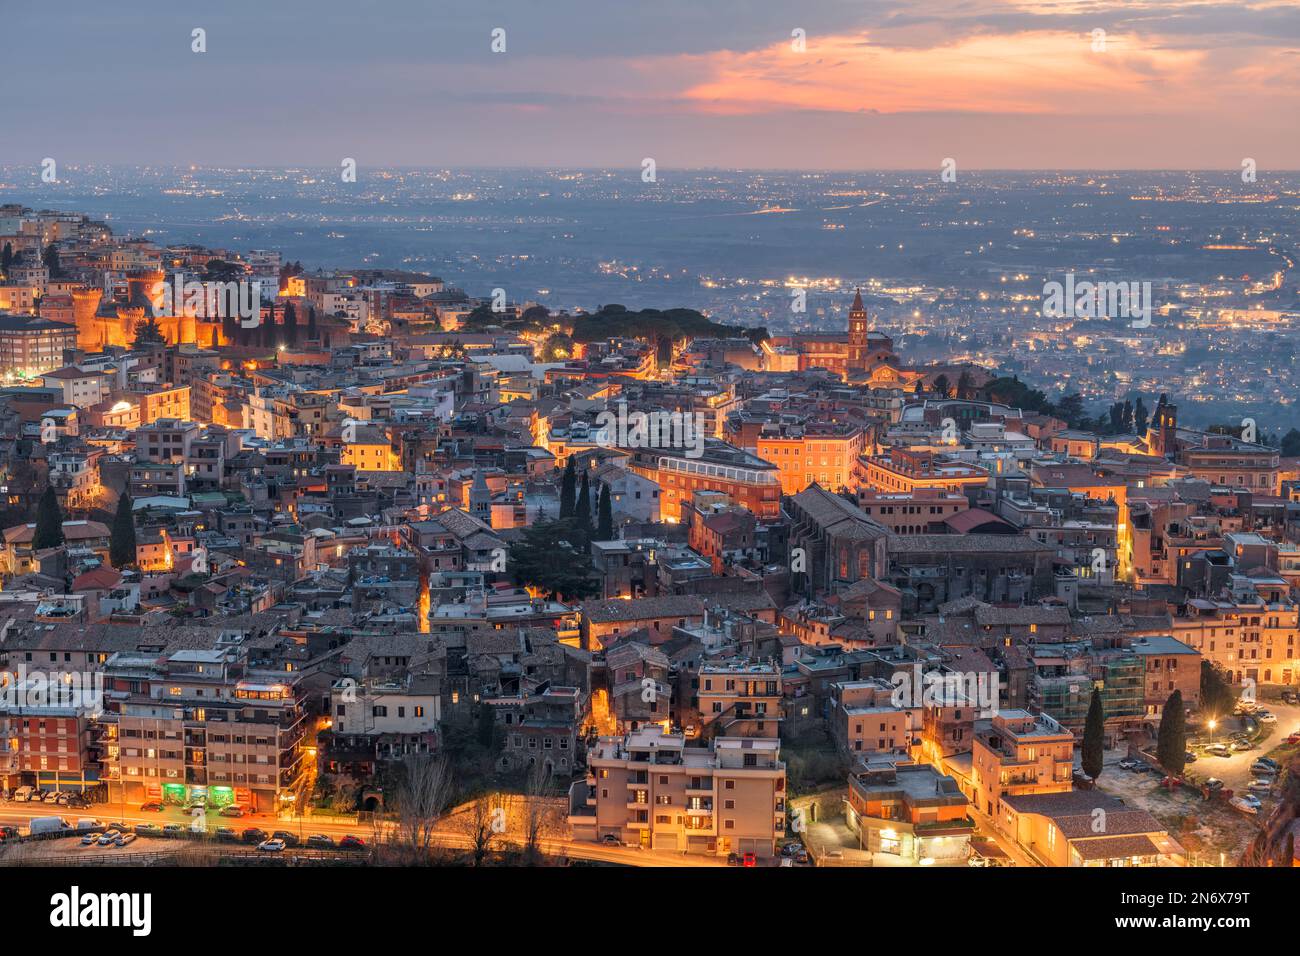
column 858, row 328
column 90, row 333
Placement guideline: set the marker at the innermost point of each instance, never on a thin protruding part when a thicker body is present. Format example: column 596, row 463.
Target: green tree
column 121, row 544
column 148, row 333
column 290, row 326
column 487, row 725
column 568, row 489
column 6, row 259
column 50, row 258
column 582, row 510
column 605, row 519
column 1291, row 444
column 1171, row 741
column 1141, row 417
column 1094, row 737
column 942, row 386
column 49, row 522
column 1217, row 696
column 546, row 558
column 311, row 322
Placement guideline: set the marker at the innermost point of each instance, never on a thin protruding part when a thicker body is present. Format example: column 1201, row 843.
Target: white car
column 1245, row 804
column 1261, row 785
column 109, row 837
column 1267, row 716
column 271, row 846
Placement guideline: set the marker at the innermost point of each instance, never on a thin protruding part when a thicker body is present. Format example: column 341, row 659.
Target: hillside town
column 365, row 559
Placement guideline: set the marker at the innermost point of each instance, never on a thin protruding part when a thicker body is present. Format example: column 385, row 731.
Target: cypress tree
column 582, row 512
column 1094, row 734
column 290, row 324
column 568, row 490
column 311, row 322
column 121, row 545
column 605, row 519
column 49, row 522
column 1171, row 742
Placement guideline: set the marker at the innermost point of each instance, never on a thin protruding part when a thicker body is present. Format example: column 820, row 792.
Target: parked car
column 148, row 829
column 319, row 841
column 1289, row 697
column 197, row 805
column 1261, row 785
column 226, row 835
column 1264, row 766
column 1214, row 783
column 108, row 837
column 173, row 830
column 253, row 835
column 1267, row 716
column 1294, row 738
column 1242, row 745
column 1189, row 757
column 271, row 846
column 351, row 842
column 22, row 794
column 8, row 833
column 1128, row 763
column 126, row 839
column 1217, row 749
column 733, row 859
column 51, row 797
column 289, row 839
column 1244, row 805
column 749, row 860
column 609, row 839
column 152, row 807
column 232, row 810
column 90, row 839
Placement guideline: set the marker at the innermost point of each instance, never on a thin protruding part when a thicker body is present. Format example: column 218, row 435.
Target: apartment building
column 1016, row 752
column 865, row 719
column 649, row 789
column 203, row 725
column 908, row 815
column 740, row 699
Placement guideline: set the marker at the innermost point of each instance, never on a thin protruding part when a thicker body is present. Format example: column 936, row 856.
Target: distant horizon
column 553, row 167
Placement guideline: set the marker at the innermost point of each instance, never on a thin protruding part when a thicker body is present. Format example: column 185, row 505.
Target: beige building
column 1017, row 752
column 649, row 789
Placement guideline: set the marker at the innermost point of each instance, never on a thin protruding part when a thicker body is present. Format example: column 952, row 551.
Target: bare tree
column 483, row 820
column 538, row 812
column 422, row 795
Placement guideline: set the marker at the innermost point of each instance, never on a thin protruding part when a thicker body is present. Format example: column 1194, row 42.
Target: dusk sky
column 691, row 83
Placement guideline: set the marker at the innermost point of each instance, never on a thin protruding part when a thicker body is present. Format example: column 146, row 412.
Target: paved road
column 20, row 814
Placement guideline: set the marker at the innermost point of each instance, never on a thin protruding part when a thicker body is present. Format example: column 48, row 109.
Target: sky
column 690, row 83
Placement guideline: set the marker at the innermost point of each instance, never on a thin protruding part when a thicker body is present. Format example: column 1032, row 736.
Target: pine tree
column 6, row 259
column 1094, row 734
column 568, row 490
column 1171, row 743
column 311, row 322
column 121, row 544
column 605, row 519
column 49, row 522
